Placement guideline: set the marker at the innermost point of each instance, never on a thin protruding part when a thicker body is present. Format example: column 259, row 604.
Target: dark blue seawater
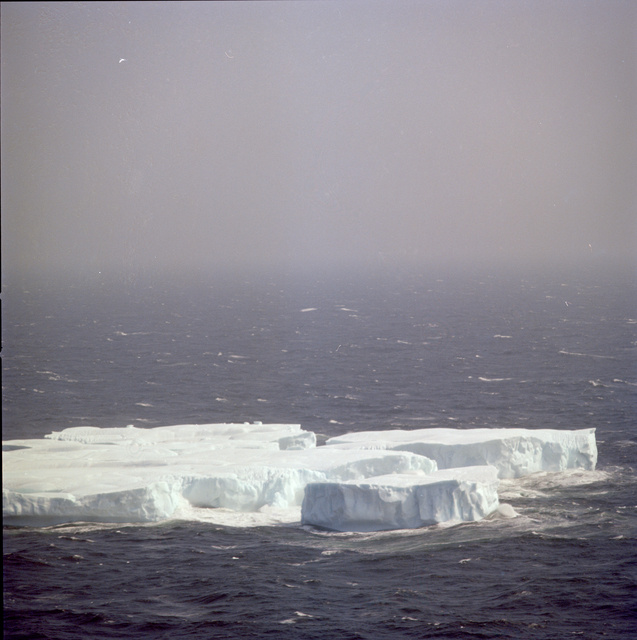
column 336, row 353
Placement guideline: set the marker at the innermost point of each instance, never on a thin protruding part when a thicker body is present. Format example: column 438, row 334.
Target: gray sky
column 195, row 135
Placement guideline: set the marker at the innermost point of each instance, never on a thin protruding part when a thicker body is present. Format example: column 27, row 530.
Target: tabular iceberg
column 373, row 480
column 514, row 452
column 142, row 475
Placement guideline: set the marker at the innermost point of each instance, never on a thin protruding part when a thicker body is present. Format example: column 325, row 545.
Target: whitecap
column 589, row 355
column 632, row 384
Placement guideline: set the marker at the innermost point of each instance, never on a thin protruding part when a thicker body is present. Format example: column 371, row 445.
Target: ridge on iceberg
column 514, row 452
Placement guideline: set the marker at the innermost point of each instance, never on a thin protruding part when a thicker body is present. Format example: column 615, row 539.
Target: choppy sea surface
column 336, row 353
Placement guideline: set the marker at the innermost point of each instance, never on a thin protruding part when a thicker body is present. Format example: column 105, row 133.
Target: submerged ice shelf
column 360, row 481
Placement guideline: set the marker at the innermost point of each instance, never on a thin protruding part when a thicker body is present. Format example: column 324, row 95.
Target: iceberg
column 402, row 501
column 370, row 480
column 514, row 452
column 144, row 475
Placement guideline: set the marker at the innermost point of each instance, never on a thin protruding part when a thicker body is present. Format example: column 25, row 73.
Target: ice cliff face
column 373, row 480
column 401, row 501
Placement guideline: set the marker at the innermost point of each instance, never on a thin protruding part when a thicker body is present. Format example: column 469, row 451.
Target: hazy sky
column 141, row 135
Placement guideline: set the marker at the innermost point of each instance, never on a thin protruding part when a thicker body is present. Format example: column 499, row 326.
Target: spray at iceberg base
column 365, row 481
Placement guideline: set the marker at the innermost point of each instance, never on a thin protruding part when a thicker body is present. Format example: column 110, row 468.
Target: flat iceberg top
column 485, row 474
column 456, row 436
column 80, row 468
column 283, row 436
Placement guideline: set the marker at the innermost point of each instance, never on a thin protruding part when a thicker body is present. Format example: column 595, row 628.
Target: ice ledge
column 514, row 452
column 401, row 501
column 151, row 503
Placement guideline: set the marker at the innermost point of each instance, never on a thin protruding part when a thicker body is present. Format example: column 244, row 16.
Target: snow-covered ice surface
column 514, row 452
column 146, row 475
column 371, row 481
column 212, row 436
column 402, row 501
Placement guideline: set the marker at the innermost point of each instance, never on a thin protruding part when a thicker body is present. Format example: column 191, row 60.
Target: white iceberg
column 401, row 501
column 514, row 452
column 144, row 475
column 147, row 475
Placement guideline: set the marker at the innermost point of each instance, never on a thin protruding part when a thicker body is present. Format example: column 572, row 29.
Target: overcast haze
column 195, row 135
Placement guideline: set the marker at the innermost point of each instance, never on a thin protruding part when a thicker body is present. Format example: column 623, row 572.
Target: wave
column 588, row 355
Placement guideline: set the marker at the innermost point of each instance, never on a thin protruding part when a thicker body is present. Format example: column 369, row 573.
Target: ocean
column 391, row 348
